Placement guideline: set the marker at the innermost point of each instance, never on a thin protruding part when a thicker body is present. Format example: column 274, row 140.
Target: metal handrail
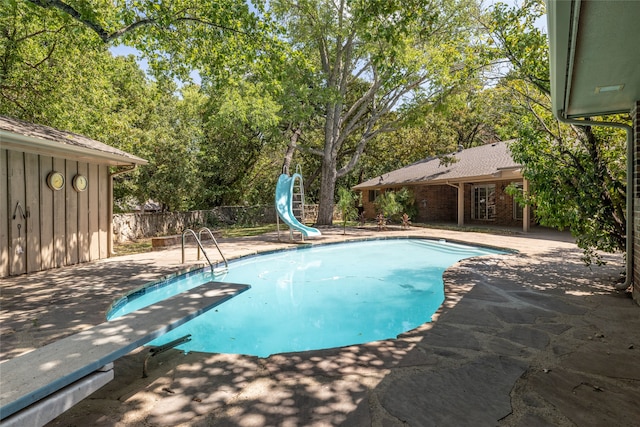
column 184, row 233
column 226, row 264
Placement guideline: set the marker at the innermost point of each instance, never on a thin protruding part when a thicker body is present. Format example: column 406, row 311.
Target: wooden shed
column 56, row 196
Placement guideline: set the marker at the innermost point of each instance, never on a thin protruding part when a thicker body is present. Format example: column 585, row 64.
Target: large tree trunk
column 327, row 190
column 291, row 148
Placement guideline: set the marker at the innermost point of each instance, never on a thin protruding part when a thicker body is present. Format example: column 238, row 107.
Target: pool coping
column 167, row 280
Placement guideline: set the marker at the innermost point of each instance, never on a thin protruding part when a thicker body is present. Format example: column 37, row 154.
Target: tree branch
column 107, row 37
column 69, row 10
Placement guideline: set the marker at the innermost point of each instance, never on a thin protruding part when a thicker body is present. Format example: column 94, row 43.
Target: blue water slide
column 284, row 205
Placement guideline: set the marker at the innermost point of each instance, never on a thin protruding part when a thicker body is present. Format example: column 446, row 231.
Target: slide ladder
column 297, row 196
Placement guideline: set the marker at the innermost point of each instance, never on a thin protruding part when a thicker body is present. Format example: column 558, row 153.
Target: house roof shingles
column 477, row 162
column 63, row 139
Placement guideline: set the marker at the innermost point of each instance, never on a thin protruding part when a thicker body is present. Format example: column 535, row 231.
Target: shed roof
column 30, row 137
column 478, row 163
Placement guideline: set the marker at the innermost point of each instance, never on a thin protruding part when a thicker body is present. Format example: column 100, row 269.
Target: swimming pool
column 325, row 296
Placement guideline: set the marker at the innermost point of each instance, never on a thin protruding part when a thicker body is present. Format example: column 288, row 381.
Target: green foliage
column 371, row 64
column 56, row 72
column 346, row 205
column 393, row 204
column 577, row 183
column 374, row 64
column 176, row 37
column 388, row 205
column 577, row 173
column 407, row 200
column 237, row 159
column 517, row 39
column 171, row 143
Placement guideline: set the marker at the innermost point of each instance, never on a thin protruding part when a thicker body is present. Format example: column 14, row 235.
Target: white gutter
column 629, row 211
column 573, row 39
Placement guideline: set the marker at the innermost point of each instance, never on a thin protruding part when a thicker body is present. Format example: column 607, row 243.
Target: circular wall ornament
column 55, row 180
column 80, row 182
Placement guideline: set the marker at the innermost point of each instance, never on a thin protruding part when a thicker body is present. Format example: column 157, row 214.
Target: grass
column 248, row 231
column 133, row 247
column 144, row 244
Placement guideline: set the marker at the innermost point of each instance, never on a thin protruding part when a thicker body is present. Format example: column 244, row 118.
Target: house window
column 518, row 209
column 373, row 195
column 484, row 202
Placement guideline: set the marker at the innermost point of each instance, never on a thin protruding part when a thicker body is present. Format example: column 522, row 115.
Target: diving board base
column 33, row 377
column 46, row 410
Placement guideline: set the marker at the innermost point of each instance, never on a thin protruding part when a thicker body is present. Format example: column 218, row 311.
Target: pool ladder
column 198, row 237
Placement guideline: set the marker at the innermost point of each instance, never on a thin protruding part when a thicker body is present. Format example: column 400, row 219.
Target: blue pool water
column 321, row 297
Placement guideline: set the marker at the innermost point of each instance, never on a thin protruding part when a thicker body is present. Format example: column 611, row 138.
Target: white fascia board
column 29, row 144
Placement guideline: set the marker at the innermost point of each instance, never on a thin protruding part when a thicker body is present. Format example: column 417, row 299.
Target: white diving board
column 82, row 363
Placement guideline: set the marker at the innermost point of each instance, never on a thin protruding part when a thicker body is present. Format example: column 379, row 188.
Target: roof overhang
column 594, row 57
column 30, row 144
column 501, row 174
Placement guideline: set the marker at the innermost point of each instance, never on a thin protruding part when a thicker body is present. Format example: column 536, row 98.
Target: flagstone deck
column 528, row 338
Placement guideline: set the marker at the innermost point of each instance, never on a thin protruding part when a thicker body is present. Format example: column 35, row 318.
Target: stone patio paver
column 530, row 338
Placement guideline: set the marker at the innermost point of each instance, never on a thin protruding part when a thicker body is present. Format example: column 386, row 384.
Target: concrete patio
column 532, row 338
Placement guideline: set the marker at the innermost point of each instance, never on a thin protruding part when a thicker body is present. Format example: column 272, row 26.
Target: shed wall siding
column 46, row 217
column 32, row 245
column 4, row 215
column 60, row 227
column 635, row 115
column 17, row 226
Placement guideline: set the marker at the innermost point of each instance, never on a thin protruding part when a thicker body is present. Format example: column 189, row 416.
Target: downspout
column 630, row 161
column 131, row 168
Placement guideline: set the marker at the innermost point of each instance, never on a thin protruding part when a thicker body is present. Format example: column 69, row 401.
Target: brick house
column 57, row 197
column 470, row 189
column 593, row 64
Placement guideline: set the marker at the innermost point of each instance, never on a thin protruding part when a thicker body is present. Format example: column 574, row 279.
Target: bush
column 388, row 206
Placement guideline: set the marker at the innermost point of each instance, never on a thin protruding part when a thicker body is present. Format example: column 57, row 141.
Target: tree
column 577, row 173
column 176, row 36
column 240, row 124
column 54, row 73
column 347, row 206
column 467, row 118
column 171, row 140
column 372, row 58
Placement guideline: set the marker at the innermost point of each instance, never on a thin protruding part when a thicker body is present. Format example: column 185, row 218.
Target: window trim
column 490, row 208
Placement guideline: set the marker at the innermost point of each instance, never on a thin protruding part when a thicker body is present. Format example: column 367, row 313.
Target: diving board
column 34, row 376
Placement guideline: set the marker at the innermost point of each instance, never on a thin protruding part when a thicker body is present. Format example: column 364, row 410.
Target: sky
column 122, row 50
